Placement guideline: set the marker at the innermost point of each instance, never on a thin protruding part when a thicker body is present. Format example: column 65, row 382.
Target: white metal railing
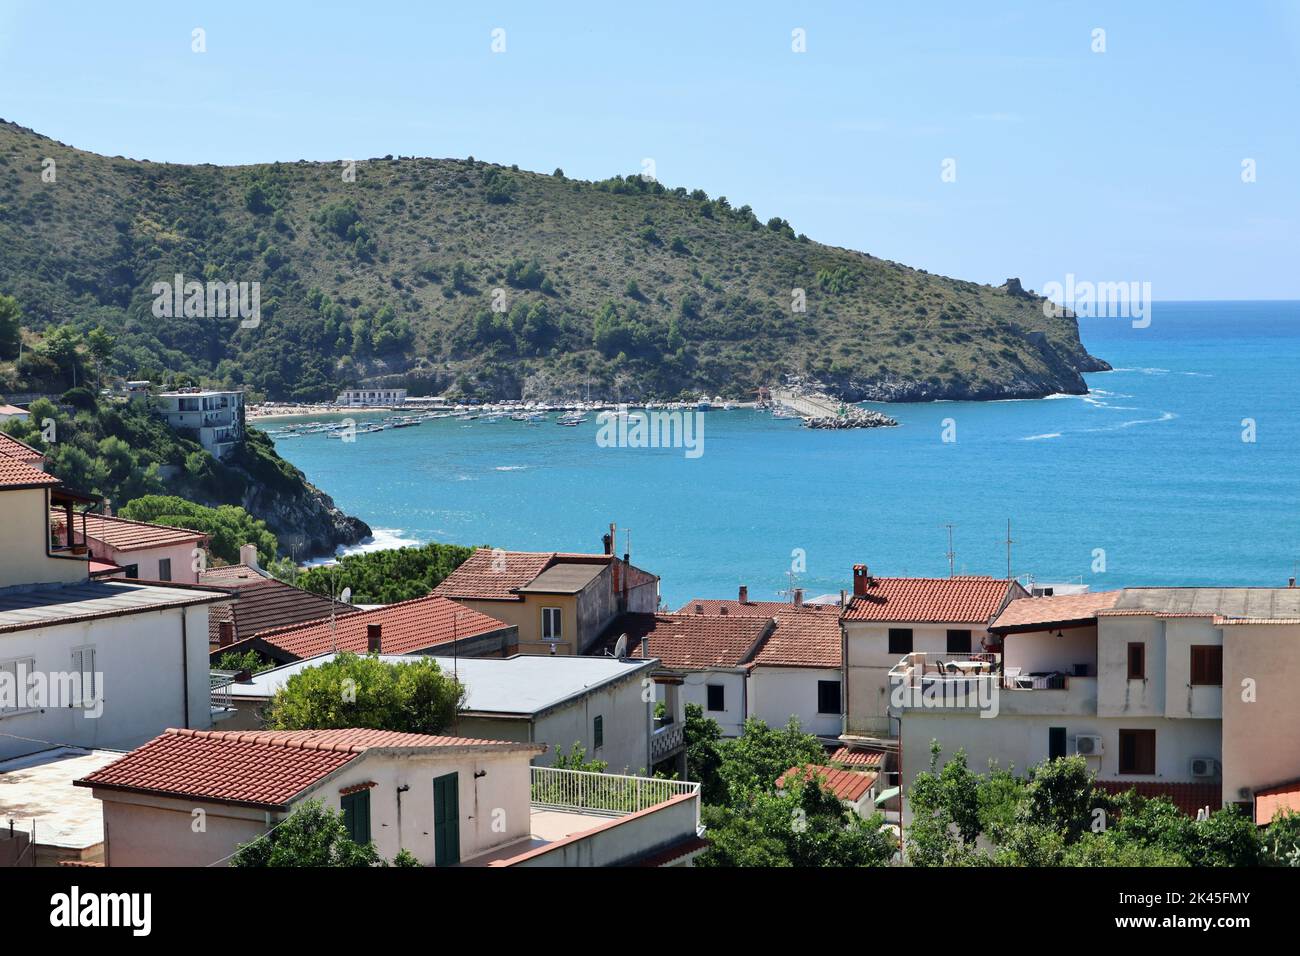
column 609, row 794
column 220, row 682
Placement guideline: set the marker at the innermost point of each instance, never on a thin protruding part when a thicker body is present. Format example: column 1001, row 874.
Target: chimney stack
column 744, row 594
column 722, row 609
column 798, row 597
column 860, row 580
column 1290, row 583
column 225, row 633
column 374, row 638
column 248, row 555
column 699, row 609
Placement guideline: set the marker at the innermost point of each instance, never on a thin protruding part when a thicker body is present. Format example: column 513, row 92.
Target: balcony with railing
column 981, row 681
column 222, row 702
column 666, row 740
column 578, row 818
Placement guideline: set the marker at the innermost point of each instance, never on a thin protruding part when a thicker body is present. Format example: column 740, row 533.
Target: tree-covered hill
column 390, row 276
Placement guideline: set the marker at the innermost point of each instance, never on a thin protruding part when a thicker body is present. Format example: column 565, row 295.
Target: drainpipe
column 185, row 670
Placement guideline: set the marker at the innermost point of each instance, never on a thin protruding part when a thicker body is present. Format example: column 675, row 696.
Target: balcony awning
column 886, row 795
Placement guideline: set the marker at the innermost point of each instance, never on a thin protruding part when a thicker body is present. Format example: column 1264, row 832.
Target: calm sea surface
column 1150, row 469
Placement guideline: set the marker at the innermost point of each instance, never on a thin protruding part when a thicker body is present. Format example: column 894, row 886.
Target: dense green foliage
column 390, row 278
column 752, row 823
column 354, row 691
column 313, row 836
column 228, row 526
column 384, row 577
column 1056, row 817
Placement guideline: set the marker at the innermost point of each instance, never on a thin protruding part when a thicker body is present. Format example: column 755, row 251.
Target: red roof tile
column 1270, row 800
column 858, row 758
column 492, row 575
column 846, row 784
column 18, row 474
column 1188, row 797
column 688, row 641
column 122, row 534
column 960, row 600
column 408, row 626
column 803, row 637
column 254, row 768
column 747, row 609
column 264, row 604
column 21, row 451
column 1045, row 612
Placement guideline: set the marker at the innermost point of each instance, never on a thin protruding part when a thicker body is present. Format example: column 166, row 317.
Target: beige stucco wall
column 25, row 539
column 157, row 831
column 526, row 615
column 1261, row 709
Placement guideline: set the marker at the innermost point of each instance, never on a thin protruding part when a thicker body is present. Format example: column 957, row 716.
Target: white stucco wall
column 147, row 560
column 778, row 693
column 627, row 725
column 693, row 691
column 140, row 658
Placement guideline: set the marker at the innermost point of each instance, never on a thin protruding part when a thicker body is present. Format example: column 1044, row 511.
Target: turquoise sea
column 1150, row 468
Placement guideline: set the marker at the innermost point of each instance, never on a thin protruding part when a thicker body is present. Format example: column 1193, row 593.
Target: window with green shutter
column 356, row 815
column 598, row 731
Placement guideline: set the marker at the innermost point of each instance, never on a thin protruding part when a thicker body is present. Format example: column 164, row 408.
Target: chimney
column 613, row 538
column 744, row 595
column 1290, row 582
column 798, row 597
column 248, row 555
column 722, row 609
column 627, row 564
column 699, row 609
column 860, row 580
column 225, row 633
column 374, row 638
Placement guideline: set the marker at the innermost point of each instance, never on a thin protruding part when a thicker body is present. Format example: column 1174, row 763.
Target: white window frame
column 79, row 661
column 12, row 665
column 556, row 636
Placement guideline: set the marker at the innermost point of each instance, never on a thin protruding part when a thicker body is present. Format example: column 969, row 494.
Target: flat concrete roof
column 38, row 789
column 46, row 606
column 563, row 579
column 523, row 685
column 1258, row 603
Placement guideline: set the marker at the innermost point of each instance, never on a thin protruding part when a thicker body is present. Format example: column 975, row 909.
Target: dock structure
column 823, row 411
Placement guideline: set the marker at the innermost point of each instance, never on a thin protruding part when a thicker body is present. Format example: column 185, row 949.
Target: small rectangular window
column 717, row 697
column 1137, row 661
column 1137, row 751
column 83, row 665
column 598, row 731
column 552, row 629
column 958, row 642
column 1207, row 665
column 14, row 686
column 1055, row 742
column 356, row 815
column 828, row 697
column 164, row 569
column 900, row 640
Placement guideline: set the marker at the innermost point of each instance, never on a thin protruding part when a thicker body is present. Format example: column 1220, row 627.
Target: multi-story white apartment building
column 217, row 417
column 1186, row 692
column 376, row 397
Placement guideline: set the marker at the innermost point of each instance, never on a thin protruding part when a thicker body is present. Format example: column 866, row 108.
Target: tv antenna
column 951, row 554
column 1009, row 542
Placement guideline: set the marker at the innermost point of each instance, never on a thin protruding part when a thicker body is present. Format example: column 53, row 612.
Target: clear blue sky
column 1124, row 165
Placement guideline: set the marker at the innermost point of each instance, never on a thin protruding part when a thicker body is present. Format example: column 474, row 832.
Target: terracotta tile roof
column 122, row 534
column 493, row 576
column 229, row 575
column 1284, row 796
column 1188, row 797
column 960, row 600
column 803, row 637
column 858, row 758
column 846, row 784
column 747, row 609
column 19, row 474
column 264, row 604
column 1060, row 609
column 408, row 627
column 18, row 450
column 687, row 641
column 254, row 768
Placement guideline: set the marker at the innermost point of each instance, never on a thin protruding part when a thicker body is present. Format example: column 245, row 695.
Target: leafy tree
column 229, row 526
column 385, row 577
column 1282, row 840
column 703, row 757
column 356, row 691
column 576, row 759
column 946, row 813
column 312, row 836
column 752, row 762
column 245, row 661
column 11, row 317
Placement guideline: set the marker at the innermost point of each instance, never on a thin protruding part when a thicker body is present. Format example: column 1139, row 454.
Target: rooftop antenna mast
column 951, row 554
column 1009, row 542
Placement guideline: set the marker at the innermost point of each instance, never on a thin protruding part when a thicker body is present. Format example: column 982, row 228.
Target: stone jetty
column 818, row 410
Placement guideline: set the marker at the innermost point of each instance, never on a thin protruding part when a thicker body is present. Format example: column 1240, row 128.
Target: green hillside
column 624, row 286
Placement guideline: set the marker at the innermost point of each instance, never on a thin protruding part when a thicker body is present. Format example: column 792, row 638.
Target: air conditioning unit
column 1087, row 745
column 1204, row 767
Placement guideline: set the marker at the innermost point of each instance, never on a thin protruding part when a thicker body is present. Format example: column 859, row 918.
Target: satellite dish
column 620, row 648
column 346, row 596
